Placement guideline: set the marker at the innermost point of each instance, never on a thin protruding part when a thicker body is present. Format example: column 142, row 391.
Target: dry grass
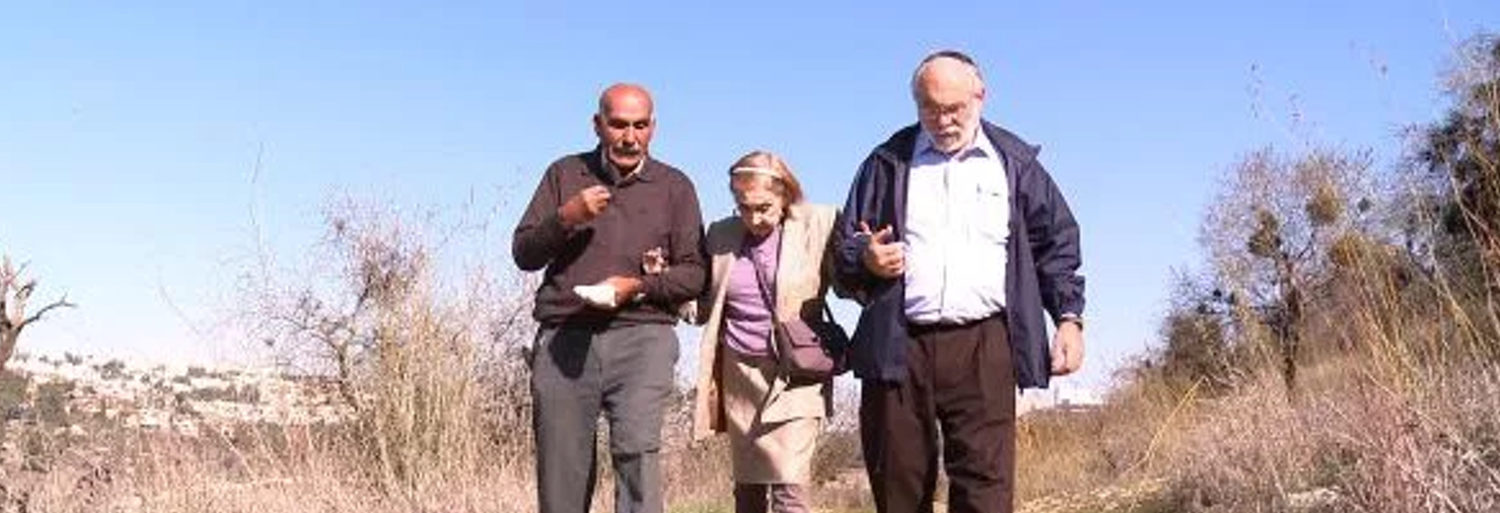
column 325, row 469
column 1398, row 416
column 1355, row 438
column 295, row 471
column 270, row 468
column 1396, row 391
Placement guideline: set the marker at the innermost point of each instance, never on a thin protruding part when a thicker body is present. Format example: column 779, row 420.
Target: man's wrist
column 637, row 292
column 1070, row 318
column 862, row 244
column 563, row 219
column 862, row 239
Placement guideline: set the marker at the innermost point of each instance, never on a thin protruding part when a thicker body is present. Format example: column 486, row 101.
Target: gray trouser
column 783, row 498
column 576, row 372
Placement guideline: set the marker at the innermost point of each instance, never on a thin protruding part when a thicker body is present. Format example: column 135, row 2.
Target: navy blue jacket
column 1041, row 267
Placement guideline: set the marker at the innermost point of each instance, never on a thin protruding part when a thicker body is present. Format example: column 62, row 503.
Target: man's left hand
column 1067, row 349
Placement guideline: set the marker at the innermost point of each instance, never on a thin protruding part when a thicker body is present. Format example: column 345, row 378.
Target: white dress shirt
column 957, row 221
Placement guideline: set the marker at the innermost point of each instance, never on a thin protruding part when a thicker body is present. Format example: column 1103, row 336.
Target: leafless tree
column 14, row 293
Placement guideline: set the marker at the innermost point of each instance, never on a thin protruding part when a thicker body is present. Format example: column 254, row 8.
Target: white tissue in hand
column 597, row 295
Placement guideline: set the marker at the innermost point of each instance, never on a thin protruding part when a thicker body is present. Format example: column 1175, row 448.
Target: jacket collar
column 980, row 145
column 899, row 148
column 796, row 211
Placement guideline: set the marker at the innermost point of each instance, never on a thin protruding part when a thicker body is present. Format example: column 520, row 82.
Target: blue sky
column 128, row 133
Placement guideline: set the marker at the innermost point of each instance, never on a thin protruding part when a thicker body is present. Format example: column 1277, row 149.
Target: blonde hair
column 764, row 165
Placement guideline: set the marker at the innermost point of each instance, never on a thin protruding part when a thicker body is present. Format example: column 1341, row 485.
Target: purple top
column 747, row 318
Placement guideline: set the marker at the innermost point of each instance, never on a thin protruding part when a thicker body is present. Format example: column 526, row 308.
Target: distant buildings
column 1060, row 395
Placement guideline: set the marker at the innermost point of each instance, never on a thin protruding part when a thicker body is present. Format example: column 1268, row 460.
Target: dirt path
column 1140, row 497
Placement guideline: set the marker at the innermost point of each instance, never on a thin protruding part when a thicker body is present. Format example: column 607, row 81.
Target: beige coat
column 802, row 281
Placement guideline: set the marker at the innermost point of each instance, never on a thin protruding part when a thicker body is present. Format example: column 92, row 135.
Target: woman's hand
column 654, row 261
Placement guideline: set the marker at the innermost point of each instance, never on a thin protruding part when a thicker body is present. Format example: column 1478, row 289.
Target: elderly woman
column 774, row 248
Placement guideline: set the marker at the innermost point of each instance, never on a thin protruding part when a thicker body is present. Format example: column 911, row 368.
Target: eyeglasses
column 939, row 111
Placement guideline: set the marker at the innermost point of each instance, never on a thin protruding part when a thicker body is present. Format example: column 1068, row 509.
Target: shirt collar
column 979, row 147
column 637, row 174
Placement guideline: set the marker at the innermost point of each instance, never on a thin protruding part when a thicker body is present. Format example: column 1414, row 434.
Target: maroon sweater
column 655, row 207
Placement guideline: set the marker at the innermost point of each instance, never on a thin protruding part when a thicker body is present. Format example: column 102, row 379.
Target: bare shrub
column 1454, row 189
column 430, row 367
column 1269, row 236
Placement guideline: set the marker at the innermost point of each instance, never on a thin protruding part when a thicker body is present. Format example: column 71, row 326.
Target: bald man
column 605, row 341
column 955, row 241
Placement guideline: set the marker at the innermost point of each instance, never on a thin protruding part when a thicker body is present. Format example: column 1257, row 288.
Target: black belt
column 939, row 327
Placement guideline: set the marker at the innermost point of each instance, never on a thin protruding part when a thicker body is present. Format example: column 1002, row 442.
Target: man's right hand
column 584, row 206
column 884, row 258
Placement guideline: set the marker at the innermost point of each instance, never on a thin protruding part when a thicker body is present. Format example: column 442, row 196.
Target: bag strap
column 760, row 281
column 768, row 297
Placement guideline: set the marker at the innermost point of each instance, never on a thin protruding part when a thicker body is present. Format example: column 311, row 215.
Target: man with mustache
column 955, row 240
column 605, row 341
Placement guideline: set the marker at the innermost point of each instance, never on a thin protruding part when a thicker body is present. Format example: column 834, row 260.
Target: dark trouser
column 576, row 372
column 960, row 384
column 784, row 498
